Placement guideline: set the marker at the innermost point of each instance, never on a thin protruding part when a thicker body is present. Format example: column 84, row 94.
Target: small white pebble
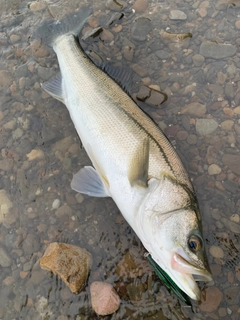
column 56, row 204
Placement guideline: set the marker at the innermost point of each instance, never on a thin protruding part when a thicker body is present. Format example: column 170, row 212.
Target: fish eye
column 195, row 243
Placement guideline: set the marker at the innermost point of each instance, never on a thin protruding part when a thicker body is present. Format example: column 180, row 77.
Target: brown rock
column 194, row 109
column 106, row 35
column 140, row 5
column 211, row 299
column 71, row 263
column 104, row 298
column 232, row 161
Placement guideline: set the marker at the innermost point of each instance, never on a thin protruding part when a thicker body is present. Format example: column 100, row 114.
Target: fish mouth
column 185, row 274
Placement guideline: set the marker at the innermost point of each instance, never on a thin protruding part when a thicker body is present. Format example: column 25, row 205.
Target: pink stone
column 105, row 299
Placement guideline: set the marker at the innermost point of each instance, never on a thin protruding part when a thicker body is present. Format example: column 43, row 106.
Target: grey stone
column 141, row 28
column 232, row 161
column 229, row 92
column 231, row 186
column 233, row 226
column 162, row 54
column 31, row 244
column 177, row 15
column 194, row 109
column 198, row 60
column 5, row 260
column 215, row 50
column 206, row 126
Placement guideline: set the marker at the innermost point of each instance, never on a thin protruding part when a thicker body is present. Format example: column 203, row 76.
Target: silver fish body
column 134, row 163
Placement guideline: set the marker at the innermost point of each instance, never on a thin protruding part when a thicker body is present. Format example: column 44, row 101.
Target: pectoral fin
column 138, row 169
column 88, row 181
column 54, row 87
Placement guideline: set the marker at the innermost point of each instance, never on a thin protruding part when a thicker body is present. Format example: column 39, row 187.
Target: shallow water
column 31, row 181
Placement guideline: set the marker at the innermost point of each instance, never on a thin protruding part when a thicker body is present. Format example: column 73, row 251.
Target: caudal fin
column 49, row 31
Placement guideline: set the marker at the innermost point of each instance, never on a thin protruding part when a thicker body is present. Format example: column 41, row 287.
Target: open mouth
column 183, row 266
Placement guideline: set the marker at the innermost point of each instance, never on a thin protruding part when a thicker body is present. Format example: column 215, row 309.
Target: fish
column 133, row 162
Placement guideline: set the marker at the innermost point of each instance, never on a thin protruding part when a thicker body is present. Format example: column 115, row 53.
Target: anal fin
column 88, row 181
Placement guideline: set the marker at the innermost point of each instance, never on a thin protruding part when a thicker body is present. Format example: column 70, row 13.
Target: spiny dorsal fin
column 138, row 170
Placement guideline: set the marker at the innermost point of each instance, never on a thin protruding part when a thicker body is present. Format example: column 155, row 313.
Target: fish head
column 170, row 229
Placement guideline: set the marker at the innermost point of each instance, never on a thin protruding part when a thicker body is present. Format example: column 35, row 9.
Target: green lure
column 170, row 284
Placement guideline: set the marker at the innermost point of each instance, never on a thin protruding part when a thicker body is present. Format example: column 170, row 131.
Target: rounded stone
column 214, row 169
column 212, row 297
column 198, row 60
column 237, row 24
column 177, row 15
column 140, row 5
column 206, row 126
column 104, row 298
column 56, row 204
column 216, row 252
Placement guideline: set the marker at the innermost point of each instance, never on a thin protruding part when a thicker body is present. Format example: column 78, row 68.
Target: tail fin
column 49, row 31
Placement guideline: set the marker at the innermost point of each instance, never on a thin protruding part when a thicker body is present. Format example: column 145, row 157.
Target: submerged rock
column 5, row 205
column 211, row 299
column 71, row 263
column 210, row 49
column 177, row 15
column 104, row 298
column 141, row 28
column 206, row 126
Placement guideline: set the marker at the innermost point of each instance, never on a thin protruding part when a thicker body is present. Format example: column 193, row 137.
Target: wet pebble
column 177, row 15
column 232, row 295
column 192, row 139
column 232, row 161
column 210, row 49
column 5, row 260
column 198, row 60
column 5, row 205
column 231, row 186
column 141, row 71
column 214, row 169
column 141, row 28
column 194, row 109
column 135, row 291
column 206, row 126
column 104, row 298
column 14, row 38
column 237, row 24
column 229, row 91
column 63, row 210
column 227, row 125
column 140, row 6
column 182, row 135
column 37, row 6
column 216, row 252
column 212, row 297
column 35, row 154
column 162, row 54
column 56, row 204
column 128, row 53
column 232, row 226
column 5, row 78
